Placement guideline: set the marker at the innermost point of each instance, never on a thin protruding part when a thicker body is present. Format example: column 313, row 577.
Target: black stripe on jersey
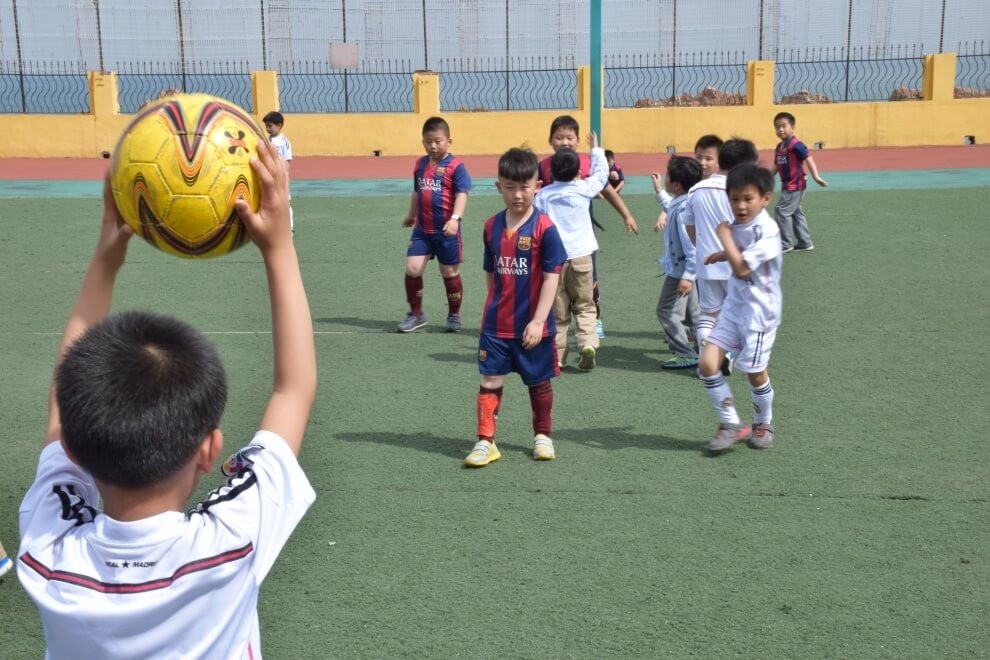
column 73, row 506
column 88, row 582
column 215, row 497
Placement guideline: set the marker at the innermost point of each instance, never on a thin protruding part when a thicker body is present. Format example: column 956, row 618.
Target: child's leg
column 489, row 402
column 580, row 286
column 762, row 397
column 802, row 235
column 672, row 309
column 562, row 313
column 711, row 294
column 719, row 393
column 454, row 286
column 415, row 265
column 783, row 213
column 541, row 401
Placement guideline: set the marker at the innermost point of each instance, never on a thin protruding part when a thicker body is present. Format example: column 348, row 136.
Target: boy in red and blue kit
column 523, row 258
column 440, row 189
column 790, row 157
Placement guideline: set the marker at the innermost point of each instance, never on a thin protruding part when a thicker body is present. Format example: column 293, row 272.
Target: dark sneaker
column 453, row 323
column 727, row 435
column 680, row 362
column 727, row 363
column 804, row 248
column 412, row 322
column 762, row 436
column 787, row 248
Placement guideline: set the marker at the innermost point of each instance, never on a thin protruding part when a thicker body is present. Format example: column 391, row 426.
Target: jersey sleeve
column 62, row 496
column 488, row 262
column 801, row 149
column 264, row 497
column 462, row 180
column 286, row 150
column 552, row 253
column 766, row 246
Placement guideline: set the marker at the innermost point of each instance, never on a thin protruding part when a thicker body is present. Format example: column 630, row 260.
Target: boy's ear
column 209, row 451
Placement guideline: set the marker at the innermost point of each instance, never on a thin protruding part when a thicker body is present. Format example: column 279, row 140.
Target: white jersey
column 171, row 586
column 755, row 302
column 567, row 203
column 283, row 146
column 707, row 207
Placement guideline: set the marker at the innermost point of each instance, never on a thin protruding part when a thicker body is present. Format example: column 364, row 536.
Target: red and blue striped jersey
column 789, row 156
column 546, row 175
column 517, row 262
column 435, row 185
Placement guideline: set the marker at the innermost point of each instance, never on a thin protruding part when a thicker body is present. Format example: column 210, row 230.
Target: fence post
column 264, row 92
column 939, row 77
column 426, row 92
column 584, row 88
column 759, row 82
column 103, row 99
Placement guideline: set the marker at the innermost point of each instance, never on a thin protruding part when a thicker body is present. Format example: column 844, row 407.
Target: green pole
column 596, row 68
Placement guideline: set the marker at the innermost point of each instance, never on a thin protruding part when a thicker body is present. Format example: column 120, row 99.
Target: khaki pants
column 575, row 298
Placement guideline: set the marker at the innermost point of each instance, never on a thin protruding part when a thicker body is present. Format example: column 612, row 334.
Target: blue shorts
column 497, row 357
column 447, row 249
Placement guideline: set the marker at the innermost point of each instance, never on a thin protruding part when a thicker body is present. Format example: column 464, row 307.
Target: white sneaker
column 543, row 448
column 482, row 454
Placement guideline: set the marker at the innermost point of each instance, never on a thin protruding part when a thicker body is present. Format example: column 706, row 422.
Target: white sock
column 292, row 224
column 763, row 403
column 721, row 397
column 704, row 328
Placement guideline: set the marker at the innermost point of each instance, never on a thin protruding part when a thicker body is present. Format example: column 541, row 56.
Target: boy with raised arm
column 133, row 420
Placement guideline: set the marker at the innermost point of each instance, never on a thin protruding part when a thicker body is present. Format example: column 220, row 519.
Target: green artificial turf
column 863, row 533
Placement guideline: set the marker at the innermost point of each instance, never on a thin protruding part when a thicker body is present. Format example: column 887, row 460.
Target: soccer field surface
column 863, row 533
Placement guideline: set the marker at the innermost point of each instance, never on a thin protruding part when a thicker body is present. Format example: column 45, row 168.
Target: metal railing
column 312, row 86
column 973, row 70
column 56, row 88
column 535, row 83
column 140, row 82
column 836, row 75
column 699, row 79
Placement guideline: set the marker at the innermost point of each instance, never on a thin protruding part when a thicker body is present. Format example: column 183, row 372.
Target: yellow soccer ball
column 178, row 169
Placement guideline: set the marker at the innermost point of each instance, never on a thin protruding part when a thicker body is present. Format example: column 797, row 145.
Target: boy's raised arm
column 294, row 387
column 93, row 301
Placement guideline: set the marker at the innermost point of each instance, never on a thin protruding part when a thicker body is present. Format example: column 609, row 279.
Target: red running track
column 390, row 167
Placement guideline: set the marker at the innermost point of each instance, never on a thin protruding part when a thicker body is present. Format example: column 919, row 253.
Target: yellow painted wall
column 938, row 120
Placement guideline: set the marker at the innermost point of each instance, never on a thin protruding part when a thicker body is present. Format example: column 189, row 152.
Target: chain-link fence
column 491, row 54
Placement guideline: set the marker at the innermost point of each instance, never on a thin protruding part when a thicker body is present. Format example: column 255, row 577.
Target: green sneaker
column 587, row 362
column 680, row 362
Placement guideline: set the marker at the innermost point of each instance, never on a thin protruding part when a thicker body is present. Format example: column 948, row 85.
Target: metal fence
column 698, row 79
column 312, row 86
column 538, row 83
column 140, row 82
column 832, row 75
column 973, row 70
column 48, row 88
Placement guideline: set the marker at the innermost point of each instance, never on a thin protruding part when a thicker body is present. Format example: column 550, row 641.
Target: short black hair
column 708, row 142
column 685, row 171
column 785, row 115
column 736, row 151
column 137, row 393
column 274, row 117
column 749, row 174
column 609, row 154
column 564, row 121
column 565, row 165
column 519, row 165
column 436, row 124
